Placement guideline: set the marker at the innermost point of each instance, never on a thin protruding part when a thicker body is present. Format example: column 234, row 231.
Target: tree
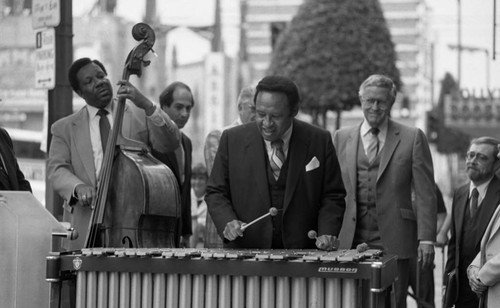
column 449, row 140
column 329, row 48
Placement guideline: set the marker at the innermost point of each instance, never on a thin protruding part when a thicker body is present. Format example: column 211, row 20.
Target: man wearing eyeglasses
column 381, row 160
column 473, row 205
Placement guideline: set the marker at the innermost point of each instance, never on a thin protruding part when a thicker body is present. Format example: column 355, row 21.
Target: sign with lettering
column 45, row 13
column 45, row 59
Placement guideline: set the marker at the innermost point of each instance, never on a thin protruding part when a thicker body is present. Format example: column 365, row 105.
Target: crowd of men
column 371, row 184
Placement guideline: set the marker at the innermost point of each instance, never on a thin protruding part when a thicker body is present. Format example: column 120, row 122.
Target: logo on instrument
column 77, row 263
column 335, row 269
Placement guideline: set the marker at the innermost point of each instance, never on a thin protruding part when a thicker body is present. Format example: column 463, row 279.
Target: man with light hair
column 382, row 161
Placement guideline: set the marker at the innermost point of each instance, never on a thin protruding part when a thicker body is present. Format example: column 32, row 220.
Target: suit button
column 354, row 219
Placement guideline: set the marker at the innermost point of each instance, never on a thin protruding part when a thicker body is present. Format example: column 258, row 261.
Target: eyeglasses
column 370, row 102
column 478, row 156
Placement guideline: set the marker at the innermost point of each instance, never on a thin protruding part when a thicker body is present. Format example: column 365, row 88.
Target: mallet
column 272, row 211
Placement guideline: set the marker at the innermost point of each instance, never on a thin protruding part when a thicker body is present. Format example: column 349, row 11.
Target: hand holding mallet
column 323, row 242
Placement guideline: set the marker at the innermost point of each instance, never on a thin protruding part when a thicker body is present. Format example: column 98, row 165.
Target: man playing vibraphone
column 281, row 163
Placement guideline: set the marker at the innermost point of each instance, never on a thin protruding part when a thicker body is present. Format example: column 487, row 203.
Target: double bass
column 138, row 200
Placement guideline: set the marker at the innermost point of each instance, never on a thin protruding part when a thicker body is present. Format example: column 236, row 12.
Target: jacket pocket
column 408, row 214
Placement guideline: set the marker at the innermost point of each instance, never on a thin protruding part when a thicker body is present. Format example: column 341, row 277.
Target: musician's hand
column 426, row 255
column 233, row 230
column 441, row 239
column 130, row 92
column 85, row 194
column 327, row 242
column 475, row 284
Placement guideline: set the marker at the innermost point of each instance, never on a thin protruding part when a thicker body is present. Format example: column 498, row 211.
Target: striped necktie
column 104, row 127
column 373, row 144
column 473, row 202
column 277, row 157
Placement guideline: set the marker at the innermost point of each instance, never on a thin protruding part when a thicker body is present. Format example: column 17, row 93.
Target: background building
column 407, row 22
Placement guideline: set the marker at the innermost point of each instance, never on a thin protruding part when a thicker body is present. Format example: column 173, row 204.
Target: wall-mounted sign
column 45, row 13
column 45, row 59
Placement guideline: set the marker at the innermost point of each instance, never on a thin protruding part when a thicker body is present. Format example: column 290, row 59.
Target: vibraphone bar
column 210, row 278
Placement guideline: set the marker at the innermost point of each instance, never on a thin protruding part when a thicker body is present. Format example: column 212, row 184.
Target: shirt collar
column 365, row 128
column 286, row 139
column 481, row 189
column 93, row 110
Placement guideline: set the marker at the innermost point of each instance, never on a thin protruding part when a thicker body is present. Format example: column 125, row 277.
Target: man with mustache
column 177, row 101
column 276, row 162
column 473, row 205
column 77, row 146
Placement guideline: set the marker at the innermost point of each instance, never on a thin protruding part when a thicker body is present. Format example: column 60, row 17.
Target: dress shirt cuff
column 427, row 242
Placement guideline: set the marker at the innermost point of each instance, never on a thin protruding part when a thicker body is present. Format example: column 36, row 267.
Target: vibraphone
column 210, row 278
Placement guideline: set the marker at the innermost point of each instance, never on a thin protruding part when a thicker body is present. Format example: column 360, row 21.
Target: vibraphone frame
column 376, row 271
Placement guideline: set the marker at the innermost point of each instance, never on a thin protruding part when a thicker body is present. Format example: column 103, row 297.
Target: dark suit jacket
column 16, row 176
column 405, row 165
column 314, row 195
column 170, row 160
column 488, row 206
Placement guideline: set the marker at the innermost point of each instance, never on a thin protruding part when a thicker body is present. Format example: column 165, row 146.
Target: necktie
column 372, row 149
column 473, row 202
column 277, row 157
column 104, row 127
column 4, row 178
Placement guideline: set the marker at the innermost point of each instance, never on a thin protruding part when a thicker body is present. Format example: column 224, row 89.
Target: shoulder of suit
column 403, row 127
column 348, row 129
column 186, row 138
column 463, row 188
column 71, row 117
column 240, row 128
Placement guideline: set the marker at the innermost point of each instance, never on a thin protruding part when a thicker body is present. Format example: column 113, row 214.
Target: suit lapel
column 81, row 131
column 9, row 164
column 351, row 154
column 491, row 230
column 172, row 163
column 258, row 167
column 489, row 205
column 297, row 150
column 391, row 142
column 462, row 199
column 186, row 148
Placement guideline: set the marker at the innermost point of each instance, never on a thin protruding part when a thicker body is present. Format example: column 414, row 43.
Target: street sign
column 45, row 59
column 46, row 13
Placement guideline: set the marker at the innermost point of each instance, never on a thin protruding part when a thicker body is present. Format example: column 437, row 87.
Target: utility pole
column 472, row 49
column 459, row 42
column 61, row 97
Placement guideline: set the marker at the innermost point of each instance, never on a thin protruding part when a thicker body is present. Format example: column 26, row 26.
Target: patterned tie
column 104, row 127
column 473, row 202
column 373, row 144
column 277, row 157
